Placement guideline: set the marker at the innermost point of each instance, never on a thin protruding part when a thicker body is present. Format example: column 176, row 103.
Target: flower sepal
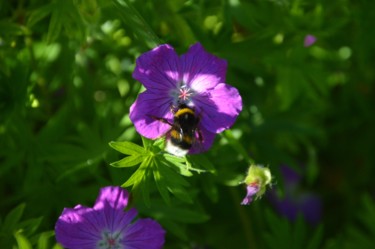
column 257, row 179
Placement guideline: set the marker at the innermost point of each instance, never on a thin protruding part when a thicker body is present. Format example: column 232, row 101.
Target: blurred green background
column 66, row 89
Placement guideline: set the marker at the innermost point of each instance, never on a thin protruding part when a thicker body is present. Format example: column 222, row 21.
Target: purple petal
column 309, row 205
column 116, row 220
column 201, row 70
column 146, row 109
column 158, row 68
column 290, row 175
column 116, row 197
column 219, row 108
column 145, row 234
column 208, row 139
column 78, row 228
column 309, row 40
column 252, row 189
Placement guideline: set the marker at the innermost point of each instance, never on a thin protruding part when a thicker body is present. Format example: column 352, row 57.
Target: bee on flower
column 186, row 98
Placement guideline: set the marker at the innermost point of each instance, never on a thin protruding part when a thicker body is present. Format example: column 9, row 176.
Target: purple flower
column 309, row 40
column 107, row 225
column 252, row 190
column 195, row 79
column 296, row 200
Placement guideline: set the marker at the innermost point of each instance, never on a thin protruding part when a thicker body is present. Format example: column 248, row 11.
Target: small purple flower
column 107, row 225
column 252, row 190
column 309, row 40
column 195, row 79
column 257, row 179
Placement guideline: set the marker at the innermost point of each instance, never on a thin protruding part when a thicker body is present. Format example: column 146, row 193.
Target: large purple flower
column 107, row 225
column 195, row 79
column 296, row 200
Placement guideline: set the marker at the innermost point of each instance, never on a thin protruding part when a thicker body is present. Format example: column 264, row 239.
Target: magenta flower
column 195, row 79
column 309, row 40
column 107, row 225
column 251, row 191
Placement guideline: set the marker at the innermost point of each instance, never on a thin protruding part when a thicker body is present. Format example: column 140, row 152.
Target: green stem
column 244, row 218
column 238, row 146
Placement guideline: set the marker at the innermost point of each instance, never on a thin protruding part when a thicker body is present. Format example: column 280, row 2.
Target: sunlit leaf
column 43, row 240
column 22, row 241
column 129, row 161
column 131, row 17
column 128, row 148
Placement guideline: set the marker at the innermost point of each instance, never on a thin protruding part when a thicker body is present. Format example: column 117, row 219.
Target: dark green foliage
column 66, row 88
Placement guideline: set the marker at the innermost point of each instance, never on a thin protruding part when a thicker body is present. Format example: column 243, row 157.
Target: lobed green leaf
column 129, row 161
column 128, row 148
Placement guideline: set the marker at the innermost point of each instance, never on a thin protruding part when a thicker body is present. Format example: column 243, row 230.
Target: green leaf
column 30, row 226
column 145, row 183
column 228, row 134
column 179, row 163
column 176, row 229
column 9, row 28
column 132, row 18
column 57, row 246
column 295, row 235
column 129, row 161
column 299, row 232
column 316, row 239
column 39, row 14
column 138, row 175
column 210, row 188
column 13, row 218
column 183, row 214
column 175, row 183
column 161, row 183
column 55, row 25
column 201, row 161
column 362, row 235
column 22, row 241
column 65, row 16
column 44, row 239
column 128, row 148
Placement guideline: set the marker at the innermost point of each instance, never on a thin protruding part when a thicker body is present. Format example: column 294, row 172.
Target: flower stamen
column 110, row 241
column 184, row 93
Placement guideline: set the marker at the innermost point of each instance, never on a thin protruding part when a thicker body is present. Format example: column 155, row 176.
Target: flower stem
column 238, row 146
column 244, row 218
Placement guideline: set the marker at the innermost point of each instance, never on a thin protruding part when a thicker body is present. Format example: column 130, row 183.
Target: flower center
column 182, row 95
column 110, row 240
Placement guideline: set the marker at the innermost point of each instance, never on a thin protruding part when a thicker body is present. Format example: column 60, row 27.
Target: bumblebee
column 184, row 131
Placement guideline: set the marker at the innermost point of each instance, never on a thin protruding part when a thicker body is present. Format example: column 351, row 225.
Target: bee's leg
column 172, row 108
column 200, row 136
column 161, row 120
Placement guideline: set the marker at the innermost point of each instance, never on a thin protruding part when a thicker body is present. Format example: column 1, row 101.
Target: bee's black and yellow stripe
column 184, row 111
column 184, row 126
